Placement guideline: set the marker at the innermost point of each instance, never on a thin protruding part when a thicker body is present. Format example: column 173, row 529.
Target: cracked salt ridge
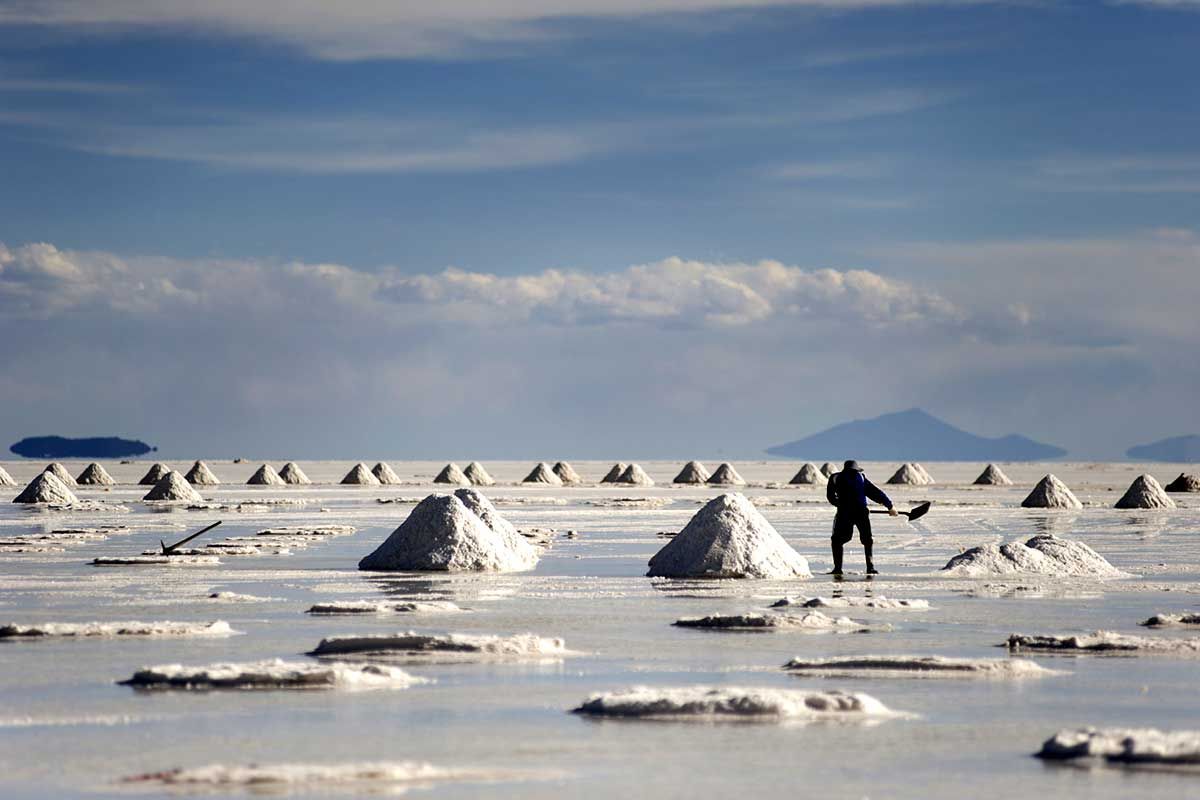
column 1169, row 620
column 224, row 550
column 272, row 674
column 144, row 560
column 628, row 502
column 734, row 703
column 430, row 646
column 874, row 603
column 105, row 720
column 920, row 666
column 319, row 530
column 1127, row 746
column 164, row 629
column 378, row 607
column 396, row 776
column 1103, row 642
column 810, row 621
column 235, row 597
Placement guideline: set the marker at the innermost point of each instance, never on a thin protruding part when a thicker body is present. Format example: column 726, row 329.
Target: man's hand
column 892, row 511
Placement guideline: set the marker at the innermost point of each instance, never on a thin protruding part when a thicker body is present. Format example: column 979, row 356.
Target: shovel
column 916, row 512
column 169, row 549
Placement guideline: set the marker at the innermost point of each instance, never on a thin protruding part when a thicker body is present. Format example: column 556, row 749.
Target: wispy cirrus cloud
column 1130, row 174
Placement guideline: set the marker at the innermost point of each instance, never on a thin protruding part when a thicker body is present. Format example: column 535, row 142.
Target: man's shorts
column 844, row 523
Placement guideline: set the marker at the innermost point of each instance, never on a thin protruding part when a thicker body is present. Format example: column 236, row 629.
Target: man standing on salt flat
column 849, row 490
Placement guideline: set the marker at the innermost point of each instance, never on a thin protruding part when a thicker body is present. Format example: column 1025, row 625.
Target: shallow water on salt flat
column 67, row 730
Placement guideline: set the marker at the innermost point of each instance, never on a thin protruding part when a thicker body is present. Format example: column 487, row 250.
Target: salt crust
column 1169, row 620
column 459, row 645
column 266, row 476
column 236, row 597
column 292, row 474
column 1103, row 642
column 95, row 475
column 812, row 620
column 477, row 475
column 875, row 603
column 154, row 474
column 1044, row 554
column 116, row 629
column 201, row 475
column 272, row 674
column 693, row 472
column 566, row 473
column 731, row 702
column 395, row 776
column 383, row 607
column 634, row 475
column 992, row 475
column 614, row 473
column 937, row 666
column 168, row 561
column 359, row 475
column 173, row 488
column 1130, row 746
column 46, row 488
column 385, row 474
column 318, row 530
column 1051, row 493
column 542, row 473
column 808, row 475
column 1145, row 492
column 452, row 474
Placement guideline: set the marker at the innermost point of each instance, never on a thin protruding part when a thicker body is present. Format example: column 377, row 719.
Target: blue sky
column 1005, row 196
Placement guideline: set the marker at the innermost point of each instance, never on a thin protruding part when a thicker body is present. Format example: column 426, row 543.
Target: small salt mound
column 60, row 472
column 360, row 476
column 828, row 469
column 911, row 475
column 566, row 473
column 6, row 479
column 725, row 475
column 173, row 488
column 634, row 475
column 1103, row 642
column 467, row 646
column 477, row 475
column 292, row 474
column 812, row 620
column 452, row 474
column 153, row 475
column 992, row 475
column 1041, row 555
column 47, row 488
column 444, row 534
column 937, row 666
column 875, row 603
column 1168, row 620
column 266, row 476
column 383, row 607
column 113, row 629
column 728, row 538
column 201, row 475
column 170, row 561
column 1051, row 493
column 692, row 472
column 1145, row 492
column 396, row 776
column 731, row 702
column 1184, row 483
column 386, row 475
column 809, row 475
column 1127, row 746
column 614, row 474
column 272, row 674
column 95, row 475
column 542, row 473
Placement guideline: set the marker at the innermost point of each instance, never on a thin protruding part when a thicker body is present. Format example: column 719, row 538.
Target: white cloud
column 1125, row 174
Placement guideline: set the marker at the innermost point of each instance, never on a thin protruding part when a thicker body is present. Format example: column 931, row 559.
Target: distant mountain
column 60, row 447
column 1179, row 449
column 911, row 435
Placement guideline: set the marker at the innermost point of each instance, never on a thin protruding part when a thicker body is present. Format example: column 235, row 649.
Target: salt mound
column 155, row 474
column 60, row 472
column 383, row 607
column 992, row 475
column 809, row 475
column 444, row 534
column 1044, row 554
column 1103, row 642
column 385, row 474
column 828, row 469
column 813, row 620
column 876, row 603
column 272, row 674
column 46, row 488
column 1166, row 620
column 725, row 475
column 911, row 475
column 614, row 474
column 173, row 488
column 1145, row 492
column 634, row 475
column 266, row 476
column 360, row 476
column 397, row 776
column 477, row 475
column 692, row 472
column 111, row 629
column 566, row 473
column 728, row 538
column 460, row 645
column 1184, row 483
column 920, row 665
column 1051, row 493
column 1129, row 746
column 95, row 475
column 201, row 475
column 481, row 507
column 6, row 479
column 293, row 475
column 543, row 474
column 452, row 474
column 731, row 702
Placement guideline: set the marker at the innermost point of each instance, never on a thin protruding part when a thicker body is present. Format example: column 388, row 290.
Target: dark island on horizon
column 94, row 447
column 1175, row 449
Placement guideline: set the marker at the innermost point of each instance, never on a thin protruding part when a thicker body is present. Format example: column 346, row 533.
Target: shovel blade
column 918, row 511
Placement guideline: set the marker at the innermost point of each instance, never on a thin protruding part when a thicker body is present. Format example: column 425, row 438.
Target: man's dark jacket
column 849, row 491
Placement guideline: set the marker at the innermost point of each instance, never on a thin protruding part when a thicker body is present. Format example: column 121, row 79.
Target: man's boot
column 837, row 559
column 870, row 564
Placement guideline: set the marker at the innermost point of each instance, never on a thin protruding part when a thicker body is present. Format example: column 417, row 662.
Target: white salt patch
column 1041, row 555
column 1051, row 493
column 154, row 474
column 458, row 645
column 728, row 538
column 385, row 607
column 1170, row 620
column 46, row 488
column 95, row 475
column 452, row 474
column 812, row 620
column 173, row 488
column 1128, row 746
column 1145, row 492
column 992, row 475
column 876, row 603
column 809, row 475
column 566, row 473
column 272, row 674
column 386, row 475
column 160, row 560
column 201, row 475
column 911, row 474
column 60, row 472
column 1103, row 642
column 542, row 473
column 477, row 475
column 725, row 475
column 116, row 629
column 266, row 476
column 614, row 473
column 1184, row 483
column 6, row 479
column 359, row 475
column 731, row 702
column 292, row 474
column 937, row 666
column 693, row 472
column 392, row 777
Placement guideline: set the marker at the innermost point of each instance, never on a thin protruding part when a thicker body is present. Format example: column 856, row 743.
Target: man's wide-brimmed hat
column 851, row 466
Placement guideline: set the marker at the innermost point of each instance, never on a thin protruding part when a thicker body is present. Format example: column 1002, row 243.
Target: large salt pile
column 154, row 474
column 634, row 475
column 613, row 473
column 542, row 473
column 6, row 479
column 1045, row 554
column 477, row 475
column 47, row 488
column 360, row 476
column 386, row 475
column 828, row 469
column 692, row 472
column 201, row 475
column 992, row 475
column 809, row 475
column 1145, row 492
column 444, row 534
column 934, row 666
column 481, row 507
column 95, row 475
column 423, row 646
column 728, row 538
column 1130, row 747
column 1051, row 493
column 566, row 473
column 911, row 475
column 731, row 702
column 1184, row 483
column 292, row 474
column 266, row 476
column 272, row 674
column 173, row 487
column 452, row 474
column 725, row 475
column 60, row 472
